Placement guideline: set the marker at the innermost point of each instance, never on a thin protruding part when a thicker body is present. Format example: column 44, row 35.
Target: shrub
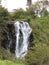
column 40, row 55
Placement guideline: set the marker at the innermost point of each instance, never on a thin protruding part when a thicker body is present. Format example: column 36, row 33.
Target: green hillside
column 6, row 62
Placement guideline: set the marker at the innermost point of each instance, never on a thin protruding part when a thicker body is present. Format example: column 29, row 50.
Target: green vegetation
column 38, row 54
column 40, row 28
column 6, row 62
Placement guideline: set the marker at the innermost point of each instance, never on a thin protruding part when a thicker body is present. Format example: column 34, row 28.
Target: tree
column 18, row 14
column 41, row 7
column 4, row 14
column 4, row 18
column 29, row 3
column 44, row 12
column 0, row 1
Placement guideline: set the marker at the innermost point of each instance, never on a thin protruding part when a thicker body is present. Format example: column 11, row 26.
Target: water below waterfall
column 22, row 31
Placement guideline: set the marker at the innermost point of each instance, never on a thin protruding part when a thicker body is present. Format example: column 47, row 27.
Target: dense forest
column 38, row 53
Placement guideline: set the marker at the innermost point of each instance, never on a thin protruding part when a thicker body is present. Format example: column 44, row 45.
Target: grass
column 6, row 62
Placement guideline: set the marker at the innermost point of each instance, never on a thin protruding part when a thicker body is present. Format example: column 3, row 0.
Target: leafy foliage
column 21, row 14
column 39, row 55
column 4, row 15
column 6, row 62
column 40, row 28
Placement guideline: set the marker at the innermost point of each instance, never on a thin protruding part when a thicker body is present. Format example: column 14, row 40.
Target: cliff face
column 9, row 38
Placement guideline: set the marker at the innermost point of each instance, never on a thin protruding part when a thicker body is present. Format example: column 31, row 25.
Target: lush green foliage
column 40, row 28
column 39, row 53
column 6, row 62
column 4, row 15
column 21, row 14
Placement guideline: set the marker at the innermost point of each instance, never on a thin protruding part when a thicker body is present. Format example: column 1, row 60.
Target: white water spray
column 23, row 32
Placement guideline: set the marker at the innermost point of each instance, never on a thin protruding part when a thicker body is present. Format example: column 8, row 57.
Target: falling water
column 22, row 31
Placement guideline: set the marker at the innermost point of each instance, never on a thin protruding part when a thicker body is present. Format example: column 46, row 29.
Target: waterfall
column 22, row 32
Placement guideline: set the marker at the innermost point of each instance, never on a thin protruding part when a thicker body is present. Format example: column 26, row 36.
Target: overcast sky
column 15, row 4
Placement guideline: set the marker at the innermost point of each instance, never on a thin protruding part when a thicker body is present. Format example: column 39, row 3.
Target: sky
column 15, row 4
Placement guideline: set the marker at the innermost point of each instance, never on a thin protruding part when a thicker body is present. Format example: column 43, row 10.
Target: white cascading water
column 23, row 31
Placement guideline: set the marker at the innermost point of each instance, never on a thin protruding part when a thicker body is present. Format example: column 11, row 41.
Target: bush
column 4, row 18
column 40, row 28
column 4, row 15
column 40, row 55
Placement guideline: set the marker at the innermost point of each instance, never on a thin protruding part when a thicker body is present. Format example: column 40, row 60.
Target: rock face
column 17, row 38
column 9, row 38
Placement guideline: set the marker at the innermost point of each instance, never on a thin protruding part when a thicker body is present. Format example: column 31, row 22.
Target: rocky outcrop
column 9, row 38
